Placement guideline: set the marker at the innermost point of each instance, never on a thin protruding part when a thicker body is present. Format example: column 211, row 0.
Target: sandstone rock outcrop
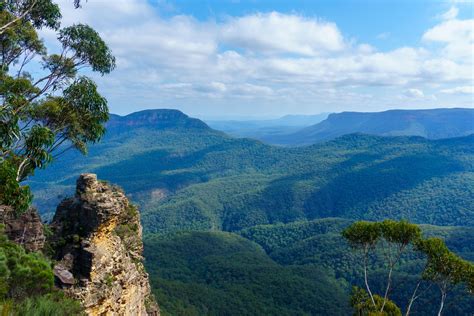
column 26, row 229
column 98, row 245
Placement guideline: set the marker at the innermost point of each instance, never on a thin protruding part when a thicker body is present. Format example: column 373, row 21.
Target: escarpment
column 98, row 244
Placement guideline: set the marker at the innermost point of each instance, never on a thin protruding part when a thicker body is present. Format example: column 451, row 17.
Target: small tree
column 364, row 236
column 41, row 117
column 444, row 268
column 394, row 238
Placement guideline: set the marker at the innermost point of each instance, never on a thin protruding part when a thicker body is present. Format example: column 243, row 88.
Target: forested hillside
column 355, row 176
column 301, row 268
column 188, row 176
column 282, row 210
column 216, row 273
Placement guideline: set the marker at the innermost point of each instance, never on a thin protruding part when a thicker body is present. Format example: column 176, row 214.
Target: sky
column 231, row 58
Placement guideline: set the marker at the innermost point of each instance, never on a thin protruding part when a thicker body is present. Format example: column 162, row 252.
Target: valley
column 242, row 211
column 236, row 158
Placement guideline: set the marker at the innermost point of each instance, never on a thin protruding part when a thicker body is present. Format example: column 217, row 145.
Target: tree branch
column 18, row 18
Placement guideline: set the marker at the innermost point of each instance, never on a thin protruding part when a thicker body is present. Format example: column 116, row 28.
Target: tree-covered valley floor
column 237, row 227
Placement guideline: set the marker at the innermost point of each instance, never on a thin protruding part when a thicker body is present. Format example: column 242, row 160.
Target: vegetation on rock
column 26, row 284
column 46, row 108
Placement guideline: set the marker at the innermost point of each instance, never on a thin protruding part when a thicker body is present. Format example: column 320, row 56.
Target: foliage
column 363, row 234
column 40, row 13
column 43, row 116
column 53, row 304
column 11, row 192
column 320, row 243
column 445, row 268
column 26, row 284
column 22, row 274
column 187, row 176
column 442, row 266
column 215, row 273
column 362, row 304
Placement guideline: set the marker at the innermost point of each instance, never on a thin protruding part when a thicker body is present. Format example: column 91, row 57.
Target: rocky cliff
column 98, row 244
column 26, row 229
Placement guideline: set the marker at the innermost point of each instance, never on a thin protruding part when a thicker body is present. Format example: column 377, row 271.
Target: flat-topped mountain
column 161, row 118
column 433, row 124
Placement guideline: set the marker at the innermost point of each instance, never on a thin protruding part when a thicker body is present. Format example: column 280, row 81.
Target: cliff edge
column 97, row 240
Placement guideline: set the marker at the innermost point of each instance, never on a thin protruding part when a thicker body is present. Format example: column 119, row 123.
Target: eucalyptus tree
column 46, row 106
column 392, row 239
column 444, row 268
column 364, row 236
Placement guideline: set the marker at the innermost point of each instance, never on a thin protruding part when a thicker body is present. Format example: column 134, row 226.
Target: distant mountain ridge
column 432, row 124
column 266, row 129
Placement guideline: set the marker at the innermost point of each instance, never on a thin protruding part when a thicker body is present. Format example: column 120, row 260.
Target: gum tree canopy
column 46, row 108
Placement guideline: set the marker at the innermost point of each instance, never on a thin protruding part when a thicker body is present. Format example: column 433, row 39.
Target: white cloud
column 415, row 94
column 275, row 33
column 264, row 57
column 459, row 90
column 456, row 35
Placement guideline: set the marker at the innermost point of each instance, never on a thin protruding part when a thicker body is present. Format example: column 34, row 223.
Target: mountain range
column 432, row 124
column 223, row 216
column 165, row 154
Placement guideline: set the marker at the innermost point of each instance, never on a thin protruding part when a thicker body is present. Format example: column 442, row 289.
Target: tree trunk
column 366, row 277
column 412, row 299
column 389, row 283
column 443, row 298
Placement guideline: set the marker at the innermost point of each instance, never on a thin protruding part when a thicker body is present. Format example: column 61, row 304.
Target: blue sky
column 270, row 58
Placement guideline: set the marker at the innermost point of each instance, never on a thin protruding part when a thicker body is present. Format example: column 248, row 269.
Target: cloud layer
column 269, row 59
